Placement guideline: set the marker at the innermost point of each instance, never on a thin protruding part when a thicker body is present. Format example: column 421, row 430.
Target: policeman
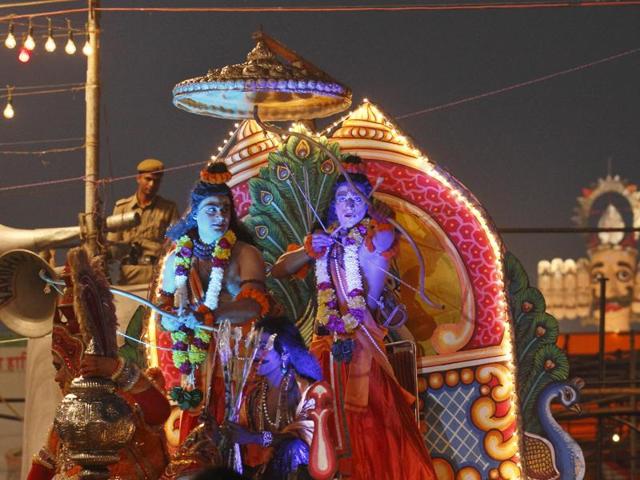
column 139, row 247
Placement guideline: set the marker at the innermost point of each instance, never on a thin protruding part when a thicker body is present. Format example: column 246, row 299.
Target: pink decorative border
column 464, row 230
column 468, row 235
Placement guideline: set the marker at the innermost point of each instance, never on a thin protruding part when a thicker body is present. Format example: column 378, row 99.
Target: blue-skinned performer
column 378, row 434
column 212, row 274
column 280, row 409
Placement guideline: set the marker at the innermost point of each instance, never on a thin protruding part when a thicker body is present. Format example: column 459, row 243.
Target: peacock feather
column 288, row 198
column 539, row 360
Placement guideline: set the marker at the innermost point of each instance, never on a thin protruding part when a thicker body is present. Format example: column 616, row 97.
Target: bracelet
column 45, row 459
column 118, row 371
column 128, row 377
column 205, row 315
column 267, row 438
column 308, row 247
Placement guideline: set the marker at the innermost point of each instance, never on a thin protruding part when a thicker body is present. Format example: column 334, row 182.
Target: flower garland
column 328, row 313
column 191, row 343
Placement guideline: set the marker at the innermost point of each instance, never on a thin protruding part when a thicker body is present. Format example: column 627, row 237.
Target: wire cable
column 520, row 85
column 45, row 86
column 42, row 152
column 43, row 92
column 52, row 13
column 33, row 3
column 48, row 140
column 373, row 8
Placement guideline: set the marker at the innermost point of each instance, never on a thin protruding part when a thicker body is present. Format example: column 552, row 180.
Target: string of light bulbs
column 28, row 44
column 9, row 111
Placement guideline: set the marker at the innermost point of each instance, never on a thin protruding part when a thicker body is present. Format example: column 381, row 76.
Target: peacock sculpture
column 289, row 200
column 543, row 376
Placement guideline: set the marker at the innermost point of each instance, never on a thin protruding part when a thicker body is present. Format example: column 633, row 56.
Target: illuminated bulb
column 24, row 55
column 70, row 47
column 615, row 437
column 8, row 110
column 87, row 49
column 219, row 149
column 50, row 44
column 30, row 43
column 10, row 41
column 230, row 133
column 236, row 125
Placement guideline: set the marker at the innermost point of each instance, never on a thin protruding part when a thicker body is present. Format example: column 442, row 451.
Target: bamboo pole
column 92, row 132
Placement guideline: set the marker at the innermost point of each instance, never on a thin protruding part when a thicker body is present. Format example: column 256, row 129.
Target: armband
column 267, row 438
column 165, row 300
column 375, row 227
column 256, row 295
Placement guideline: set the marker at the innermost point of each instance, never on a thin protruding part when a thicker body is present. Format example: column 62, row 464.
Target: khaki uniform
column 154, row 220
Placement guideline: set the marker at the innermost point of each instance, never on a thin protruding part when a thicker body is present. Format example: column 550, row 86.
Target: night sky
column 525, row 154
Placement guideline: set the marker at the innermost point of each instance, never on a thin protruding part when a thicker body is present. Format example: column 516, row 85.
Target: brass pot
column 94, row 423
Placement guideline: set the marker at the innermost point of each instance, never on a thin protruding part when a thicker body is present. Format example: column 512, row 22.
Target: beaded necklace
column 283, row 395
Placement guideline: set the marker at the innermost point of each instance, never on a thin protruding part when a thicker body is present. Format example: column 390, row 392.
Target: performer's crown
column 353, row 164
column 215, row 173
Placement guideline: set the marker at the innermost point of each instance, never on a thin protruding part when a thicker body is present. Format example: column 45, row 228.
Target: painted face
column 350, row 207
column 619, row 267
column 149, row 183
column 213, row 217
column 271, row 360
column 63, row 376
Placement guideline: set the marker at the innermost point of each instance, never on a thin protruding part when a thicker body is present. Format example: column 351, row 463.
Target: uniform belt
column 143, row 260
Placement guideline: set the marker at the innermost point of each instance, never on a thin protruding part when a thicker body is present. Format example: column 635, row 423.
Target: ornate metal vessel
column 94, row 423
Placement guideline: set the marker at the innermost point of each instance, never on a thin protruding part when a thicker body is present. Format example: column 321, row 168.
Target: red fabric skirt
column 386, row 443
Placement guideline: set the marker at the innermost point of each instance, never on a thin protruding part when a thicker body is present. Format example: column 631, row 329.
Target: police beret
column 150, row 165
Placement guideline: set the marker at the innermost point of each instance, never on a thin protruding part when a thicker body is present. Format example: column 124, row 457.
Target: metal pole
column 92, row 129
column 633, row 435
column 601, row 370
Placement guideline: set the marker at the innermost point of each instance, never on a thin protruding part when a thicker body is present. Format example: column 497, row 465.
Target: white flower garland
column 328, row 313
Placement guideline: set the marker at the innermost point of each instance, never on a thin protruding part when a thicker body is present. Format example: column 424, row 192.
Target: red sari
column 382, row 440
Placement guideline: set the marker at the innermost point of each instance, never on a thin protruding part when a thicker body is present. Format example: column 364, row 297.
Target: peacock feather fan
column 289, row 199
column 539, row 360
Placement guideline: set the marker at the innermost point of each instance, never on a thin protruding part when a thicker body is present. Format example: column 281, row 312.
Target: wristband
column 308, row 247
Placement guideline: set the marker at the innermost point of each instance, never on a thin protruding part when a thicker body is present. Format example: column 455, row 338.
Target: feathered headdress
column 85, row 318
